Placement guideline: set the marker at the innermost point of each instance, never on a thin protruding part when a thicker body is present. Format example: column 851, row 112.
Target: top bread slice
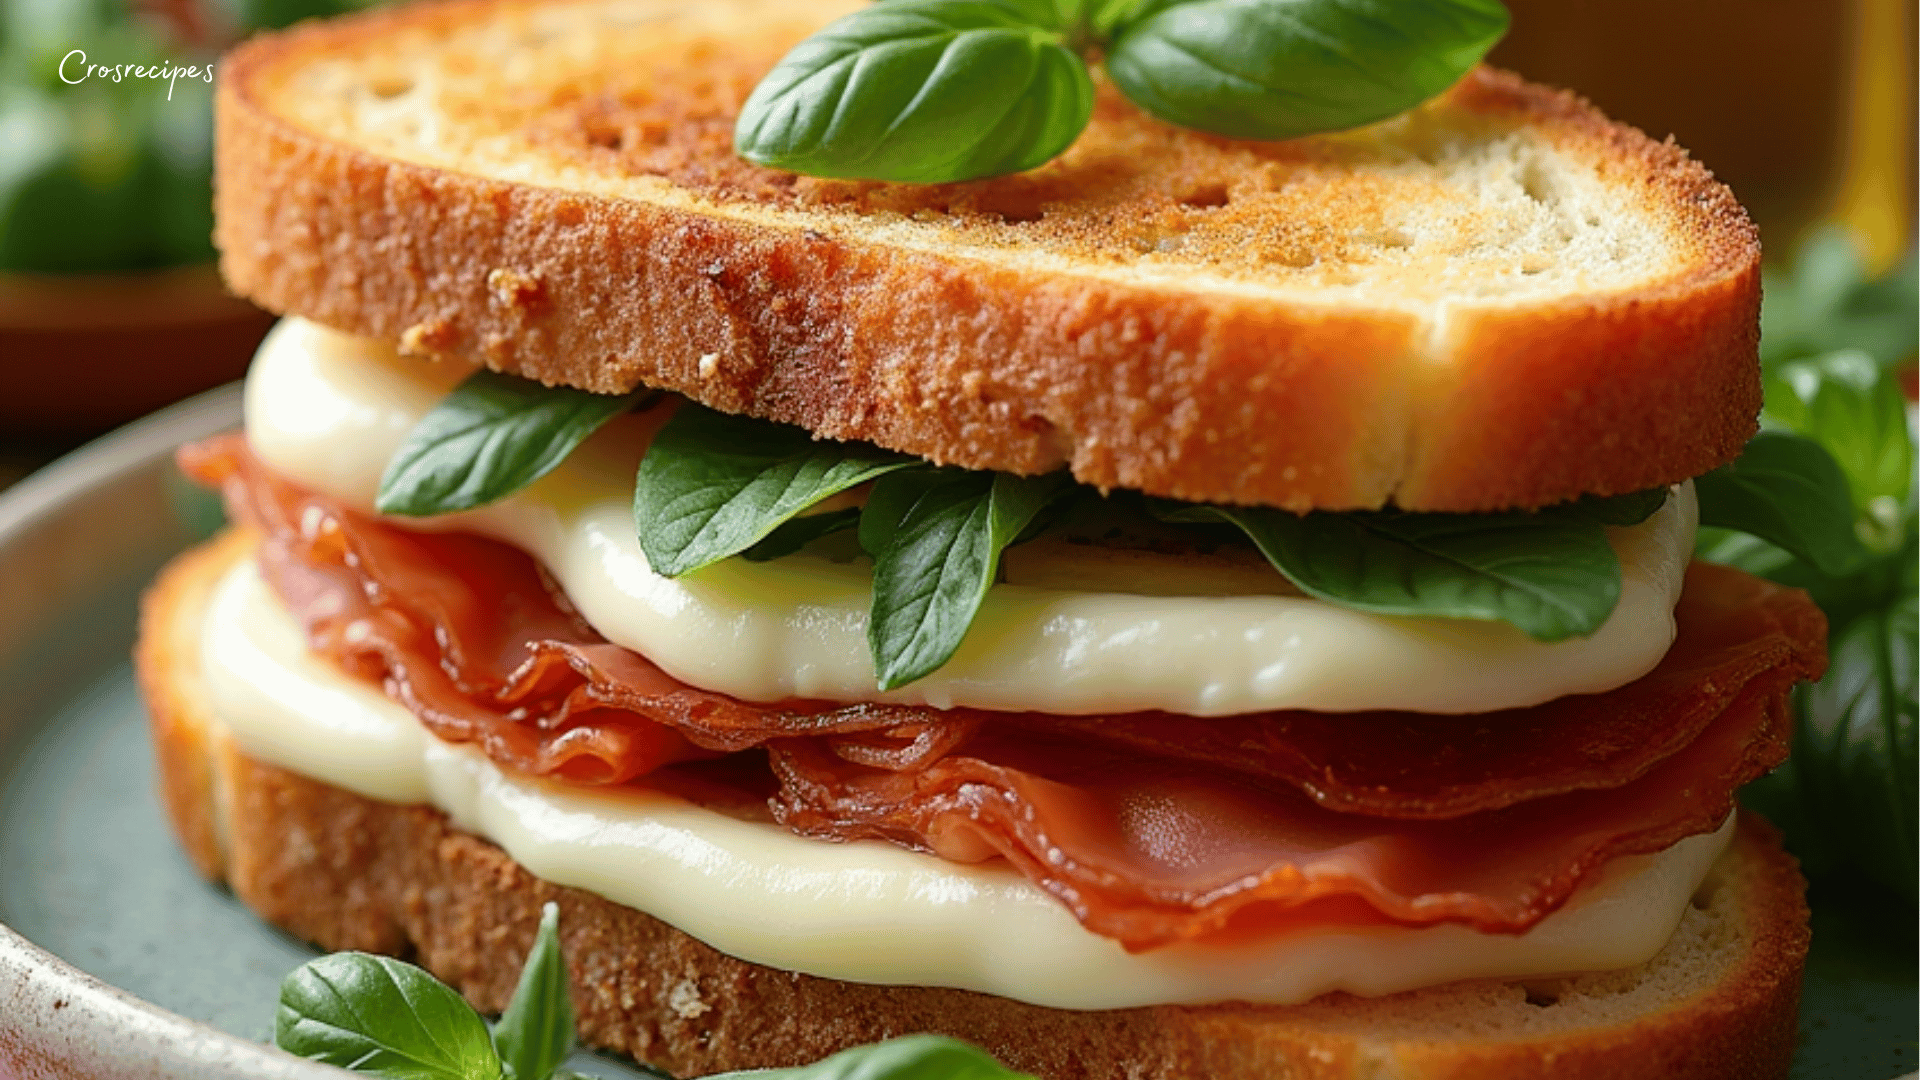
column 1500, row 299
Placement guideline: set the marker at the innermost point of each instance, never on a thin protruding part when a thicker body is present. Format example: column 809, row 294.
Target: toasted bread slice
column 1500, row 299
column 351, row 873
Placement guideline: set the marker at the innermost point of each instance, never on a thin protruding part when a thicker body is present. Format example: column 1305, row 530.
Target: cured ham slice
column 1151, row 828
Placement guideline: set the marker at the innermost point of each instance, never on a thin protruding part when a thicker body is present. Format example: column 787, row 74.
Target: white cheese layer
column 328, row 410
column 862, row 912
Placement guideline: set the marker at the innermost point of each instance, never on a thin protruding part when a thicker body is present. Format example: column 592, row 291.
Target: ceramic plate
column 118, row 960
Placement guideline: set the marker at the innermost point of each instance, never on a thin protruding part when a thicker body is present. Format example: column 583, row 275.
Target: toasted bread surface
column 348, row 872
column 1500, row 299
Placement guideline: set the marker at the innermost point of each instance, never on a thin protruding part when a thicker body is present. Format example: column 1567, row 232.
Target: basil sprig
column 1550, row 573
column 1274, row 69
column 377, row 1015
column 1788, row 491
column 493, row 435
column 936, row 536
column 1833, row 341
column 934, row 91
column 910, row 1057
column 536, row 1033
column 795, row 533
column 1858, row 415
column 1855, row 745
column 922, row 91
column 713, row 485
column 388, row 1018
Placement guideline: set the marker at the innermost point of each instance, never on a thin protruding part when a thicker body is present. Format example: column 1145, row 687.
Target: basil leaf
column 1061, row 15
column 936, row 536
column 911, row 1057
column 1552, row 574
column 536, row 1032
column 1788, row 491
column 1277, row 69
column 376, row 1015
column 713, row 485
column 1854, row 748
column 492, row 436
column 1854, row 408
column 923, row 91
column 796, row 533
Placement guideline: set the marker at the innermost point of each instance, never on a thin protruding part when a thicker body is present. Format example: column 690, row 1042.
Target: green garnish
column 920, row 90
column 1551, row 573
column 387, row 1018
column 714, row 485
column 1788, row 491
column 933, row 91
column 936, row 536
column 384, row 1017
column 492, row 436
column 1833, row 343
column 536, row 1033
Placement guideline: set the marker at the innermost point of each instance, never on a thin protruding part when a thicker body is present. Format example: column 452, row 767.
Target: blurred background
column 110, row 307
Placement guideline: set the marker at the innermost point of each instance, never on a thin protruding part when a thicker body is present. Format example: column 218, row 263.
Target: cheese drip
column 1072, row 632
column 867, row 911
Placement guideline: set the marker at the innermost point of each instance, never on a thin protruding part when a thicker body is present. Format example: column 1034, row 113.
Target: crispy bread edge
column 1191, row 395
column 348, row 872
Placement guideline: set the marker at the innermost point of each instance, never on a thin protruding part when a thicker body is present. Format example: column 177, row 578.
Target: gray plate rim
column 59, row 1019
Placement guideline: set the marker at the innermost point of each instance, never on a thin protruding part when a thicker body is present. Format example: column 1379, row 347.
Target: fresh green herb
column 924, row 91
column 1788, row 491
column 911, row 1057
column 1832, row 343
column 383, row 1017
column 936, row 536
column 536, row 1032
column 1854, row 750
column 1277, row 69
column 1842, row 401
column 796, row 533
column 380, row 1016
column 713, row 485
column 492, row 436
column 1552, row 574
column 933, row 91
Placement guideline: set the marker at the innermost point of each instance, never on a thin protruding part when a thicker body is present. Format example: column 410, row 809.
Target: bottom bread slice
column 348, row 872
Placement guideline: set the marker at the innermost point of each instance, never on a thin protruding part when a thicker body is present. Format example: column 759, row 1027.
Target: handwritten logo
column 75, row 70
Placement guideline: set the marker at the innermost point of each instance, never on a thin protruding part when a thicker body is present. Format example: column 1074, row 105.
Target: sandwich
column 1196, row 607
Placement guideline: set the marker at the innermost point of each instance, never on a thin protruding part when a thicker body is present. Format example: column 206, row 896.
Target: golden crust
column 1163, row 310
column 351, row 873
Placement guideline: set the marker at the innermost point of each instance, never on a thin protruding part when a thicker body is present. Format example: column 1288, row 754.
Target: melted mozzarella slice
column 329, row 410
column 868, row 911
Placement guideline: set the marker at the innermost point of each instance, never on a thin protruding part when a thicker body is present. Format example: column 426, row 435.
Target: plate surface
column 99, row 897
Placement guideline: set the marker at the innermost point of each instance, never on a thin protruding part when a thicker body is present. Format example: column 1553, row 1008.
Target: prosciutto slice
column 1151, row 828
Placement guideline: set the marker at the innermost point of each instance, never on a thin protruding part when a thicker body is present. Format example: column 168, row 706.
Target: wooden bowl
column 82, row 354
